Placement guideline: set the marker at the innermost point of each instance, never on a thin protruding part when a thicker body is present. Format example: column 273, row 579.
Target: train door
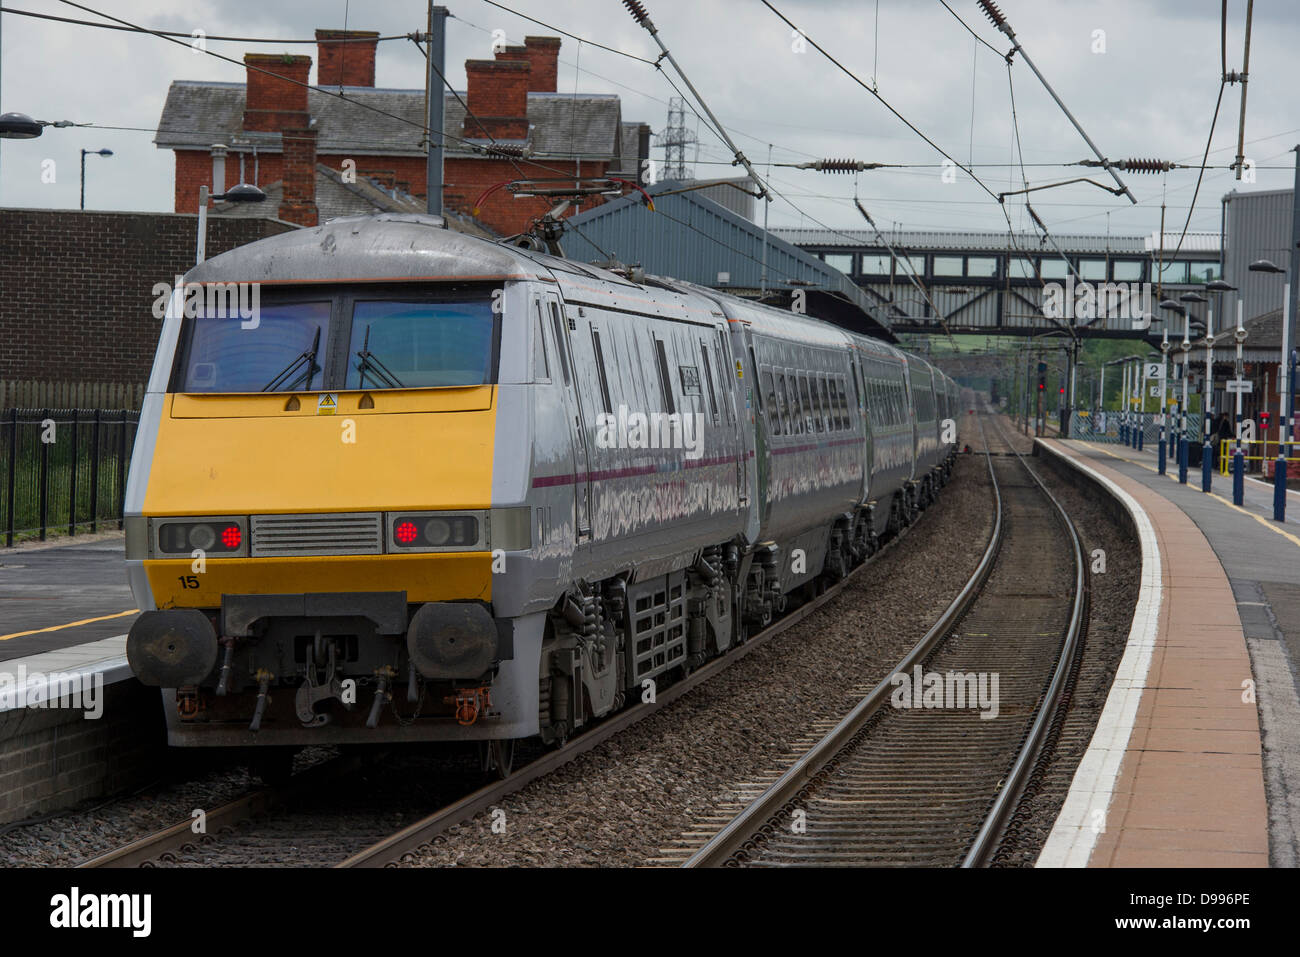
column 746, row 387
column 574, row 414
column 863, row 422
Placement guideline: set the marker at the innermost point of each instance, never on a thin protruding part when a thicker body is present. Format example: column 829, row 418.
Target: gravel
column 623, row 802
column 1110, row 618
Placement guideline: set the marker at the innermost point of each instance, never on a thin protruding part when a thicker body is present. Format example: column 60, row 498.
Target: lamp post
column 84, row 154
column 1184, row 445
column 1286, row 409
column 1165, row 436
column 1123, row 403
column 1238, row 459
column 1218, row 287
column 240, row 193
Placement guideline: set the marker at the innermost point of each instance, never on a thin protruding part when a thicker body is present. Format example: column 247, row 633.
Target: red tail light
column 405, row 532
column 231, row 536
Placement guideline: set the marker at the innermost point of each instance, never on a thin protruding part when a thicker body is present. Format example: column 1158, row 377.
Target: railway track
column 292, row 824
column 911, row 784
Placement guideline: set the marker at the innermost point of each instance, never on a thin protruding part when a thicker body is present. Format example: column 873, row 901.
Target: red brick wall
column 497, row 93
column 79, row 287
column 542, row 54
column 273, row 103
column 345, row 64
column 464, row 181
column 298, row 204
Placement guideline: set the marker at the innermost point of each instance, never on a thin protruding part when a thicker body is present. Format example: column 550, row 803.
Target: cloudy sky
column 1141, row 76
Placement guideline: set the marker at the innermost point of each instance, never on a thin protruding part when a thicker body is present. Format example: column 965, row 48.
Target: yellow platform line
column 71, row 624
column 1267, row 523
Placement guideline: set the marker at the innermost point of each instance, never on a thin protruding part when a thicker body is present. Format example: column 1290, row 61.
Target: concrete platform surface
column 56, row 596
column 1196, row 761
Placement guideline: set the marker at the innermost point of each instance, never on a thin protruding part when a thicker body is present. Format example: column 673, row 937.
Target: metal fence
column 64, row 470
column 1105, row 427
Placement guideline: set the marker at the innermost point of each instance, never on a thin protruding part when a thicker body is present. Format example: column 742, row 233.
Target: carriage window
column 708, row 379
column 796, row 412
column 665, row 380
column 805, row 396
column 541, row 364
column 769, row 390
column 783, row 404
column 557, row 325
column 600, row 369
column 827, row 419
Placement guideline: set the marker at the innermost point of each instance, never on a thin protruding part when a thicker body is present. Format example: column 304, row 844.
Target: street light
column 1183, row 443
column 239, row 193
column 84, row 154
column 1173, row 307
column 20, row 126
column 1285, row 412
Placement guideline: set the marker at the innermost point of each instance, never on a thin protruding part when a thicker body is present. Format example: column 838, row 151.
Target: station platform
column 1196, row 758
column 55, row 596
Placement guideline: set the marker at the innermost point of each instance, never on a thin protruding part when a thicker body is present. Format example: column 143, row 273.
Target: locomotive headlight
column 437, row 531
column 222, row 537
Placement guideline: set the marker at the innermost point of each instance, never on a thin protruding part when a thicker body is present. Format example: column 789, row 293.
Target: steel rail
column 985, row 845
column 392, row 848
column 723, row 845
column 151, row 847
column 739, row 832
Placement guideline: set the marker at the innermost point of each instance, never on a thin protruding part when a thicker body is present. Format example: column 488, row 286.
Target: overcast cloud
column 1150, row 94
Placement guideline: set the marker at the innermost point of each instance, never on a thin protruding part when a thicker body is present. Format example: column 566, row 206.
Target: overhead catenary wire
column 192, row 35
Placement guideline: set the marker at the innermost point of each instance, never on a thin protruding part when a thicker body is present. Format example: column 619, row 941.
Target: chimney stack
column 542, row 54
column 218, row 168
column 298, row 205
column 346, row 57
column 498, row 97
column 272, row 103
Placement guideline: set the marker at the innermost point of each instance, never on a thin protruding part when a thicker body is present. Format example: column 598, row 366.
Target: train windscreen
column 348, row 341
column 409, row 345
column 283, row 351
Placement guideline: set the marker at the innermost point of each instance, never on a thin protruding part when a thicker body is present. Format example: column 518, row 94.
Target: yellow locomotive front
column 311, row 528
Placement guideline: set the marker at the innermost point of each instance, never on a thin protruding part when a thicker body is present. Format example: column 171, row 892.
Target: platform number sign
column 1155, row 370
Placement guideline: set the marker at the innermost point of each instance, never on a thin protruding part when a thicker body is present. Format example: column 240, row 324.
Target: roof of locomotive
column 391, row 247
column 397, row 247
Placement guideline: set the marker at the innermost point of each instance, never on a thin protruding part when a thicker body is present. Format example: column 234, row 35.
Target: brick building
column 276, row 132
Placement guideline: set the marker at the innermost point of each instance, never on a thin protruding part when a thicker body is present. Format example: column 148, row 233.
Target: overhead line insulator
column 838, row 165
column 638, row 12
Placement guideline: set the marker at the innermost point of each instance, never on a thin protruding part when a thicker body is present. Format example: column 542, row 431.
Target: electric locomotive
column 442, row 489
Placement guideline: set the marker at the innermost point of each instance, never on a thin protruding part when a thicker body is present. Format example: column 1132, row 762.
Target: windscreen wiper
column 309, row 356
column 370, row 362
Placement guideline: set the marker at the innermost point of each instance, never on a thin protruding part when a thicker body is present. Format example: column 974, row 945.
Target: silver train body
column 668, row 466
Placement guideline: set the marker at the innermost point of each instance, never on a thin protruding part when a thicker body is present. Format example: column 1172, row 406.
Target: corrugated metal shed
column 692, row 237
column 1257, row 225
